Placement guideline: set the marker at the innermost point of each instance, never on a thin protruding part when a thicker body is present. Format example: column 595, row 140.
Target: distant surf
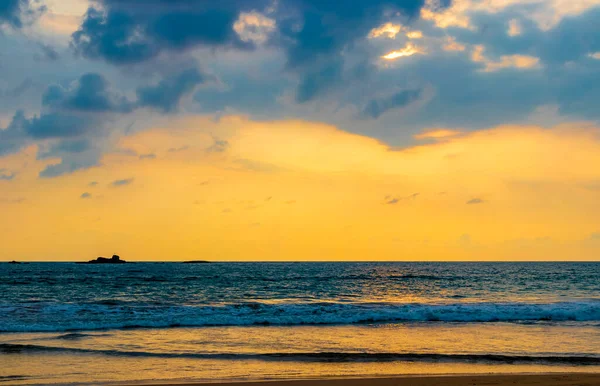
column 102, row 315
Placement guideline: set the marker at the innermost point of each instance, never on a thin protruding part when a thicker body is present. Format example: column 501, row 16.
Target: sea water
column 70, row 323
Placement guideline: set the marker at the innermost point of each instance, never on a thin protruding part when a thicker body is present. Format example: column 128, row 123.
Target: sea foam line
column 71, row 316
column 588, row 359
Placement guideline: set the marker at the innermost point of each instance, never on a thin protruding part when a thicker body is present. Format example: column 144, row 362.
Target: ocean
column 76, row 323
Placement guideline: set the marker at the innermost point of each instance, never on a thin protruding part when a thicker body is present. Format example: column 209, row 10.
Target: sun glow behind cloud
column 408, row 50
column 506, row 61
column 388, row 30
column 546, row 14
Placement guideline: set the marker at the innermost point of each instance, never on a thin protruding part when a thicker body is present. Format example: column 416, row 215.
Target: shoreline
column 530, row 379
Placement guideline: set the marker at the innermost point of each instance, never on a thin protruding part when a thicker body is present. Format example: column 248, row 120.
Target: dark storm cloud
column 328, row 26
column 313, row 33
column 166, row 95
column 128, row 32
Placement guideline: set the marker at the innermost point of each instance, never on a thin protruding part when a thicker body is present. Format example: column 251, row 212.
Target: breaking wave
column 56, row 317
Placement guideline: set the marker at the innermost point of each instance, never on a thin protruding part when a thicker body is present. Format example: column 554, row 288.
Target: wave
column 46, row 317
column 589, row 359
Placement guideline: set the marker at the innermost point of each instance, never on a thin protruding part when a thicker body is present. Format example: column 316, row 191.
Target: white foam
column 65, row 316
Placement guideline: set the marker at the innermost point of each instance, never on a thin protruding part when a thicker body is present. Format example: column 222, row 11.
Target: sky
column 300, row 130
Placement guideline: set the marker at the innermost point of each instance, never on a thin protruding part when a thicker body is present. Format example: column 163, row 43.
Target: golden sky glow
column 388, row 30
column 506, row 61
column 408, row 50
column 292, row 190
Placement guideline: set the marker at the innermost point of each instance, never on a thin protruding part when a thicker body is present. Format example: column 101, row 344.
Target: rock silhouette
column 115, row 259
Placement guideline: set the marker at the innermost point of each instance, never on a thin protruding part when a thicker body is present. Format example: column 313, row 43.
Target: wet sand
column 451, row 380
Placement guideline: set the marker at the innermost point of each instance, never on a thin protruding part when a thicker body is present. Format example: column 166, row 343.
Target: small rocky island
column 115, row 259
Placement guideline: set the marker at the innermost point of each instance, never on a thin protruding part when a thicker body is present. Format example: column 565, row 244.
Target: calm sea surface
column 72, row 323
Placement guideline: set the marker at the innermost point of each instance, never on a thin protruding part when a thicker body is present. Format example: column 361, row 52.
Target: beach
column 462, row 380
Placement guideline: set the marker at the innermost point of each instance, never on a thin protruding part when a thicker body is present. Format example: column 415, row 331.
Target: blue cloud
column 109, row 36
column 315, row 81
column 91, row 94
column 463, row 96
column 313, row 33
column 378, row 106
column 73, row 157
column 13, row 12
column 328, row 29
column 48, row 53
column 72, row 146
column 128, row 32
column 330, row 25
column 13, row 138
column 57, row 125
column 257, row 94
column 5, row 175
column 67, row 166
column 166, row 95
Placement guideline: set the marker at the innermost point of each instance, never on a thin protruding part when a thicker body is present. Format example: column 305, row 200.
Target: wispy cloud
column 475, row 201
column 178, row 149
column 123, row 182
column 5, row 175
column 389, row 200
column 218, row 146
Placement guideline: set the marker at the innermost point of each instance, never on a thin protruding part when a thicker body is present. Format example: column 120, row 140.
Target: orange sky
column 237, row 189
